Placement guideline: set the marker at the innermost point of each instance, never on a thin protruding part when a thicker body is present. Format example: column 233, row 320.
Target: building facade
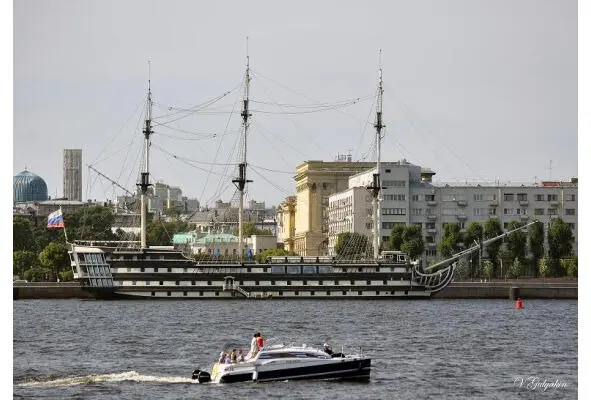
column 73, row 174
column 315, row 182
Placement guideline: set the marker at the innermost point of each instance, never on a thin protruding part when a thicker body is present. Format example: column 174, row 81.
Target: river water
column 448, row 349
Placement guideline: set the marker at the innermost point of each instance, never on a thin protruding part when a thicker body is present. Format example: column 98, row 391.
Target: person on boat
column 222, row 358
column 227, row 360
column 327, row 349
column 253, row 347
column 234, row 356
column 240, row 356
column 260, row 341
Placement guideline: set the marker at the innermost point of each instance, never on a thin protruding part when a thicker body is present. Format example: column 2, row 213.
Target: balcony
column 431, row 230
column 523, row 217
column 462, row 203
column 493, row 203
column 431, row 244
column 431, row 216
column 554, row 203
column 431, row 203
column 523, row 202
column 461, row 216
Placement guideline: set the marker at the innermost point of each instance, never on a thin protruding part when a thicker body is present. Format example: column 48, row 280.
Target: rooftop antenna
column 241, row 180
column 145, row 175
column 376, row 184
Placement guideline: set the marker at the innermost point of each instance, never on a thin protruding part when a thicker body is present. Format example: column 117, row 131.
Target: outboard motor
column 201, row 376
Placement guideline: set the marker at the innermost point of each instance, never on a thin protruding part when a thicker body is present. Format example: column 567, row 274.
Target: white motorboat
column 288, row 362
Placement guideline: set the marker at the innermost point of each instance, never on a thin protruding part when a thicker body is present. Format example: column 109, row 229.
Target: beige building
column 286, row 214
column 315, row 182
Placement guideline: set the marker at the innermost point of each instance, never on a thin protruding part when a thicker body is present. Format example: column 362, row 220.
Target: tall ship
column 108, row 270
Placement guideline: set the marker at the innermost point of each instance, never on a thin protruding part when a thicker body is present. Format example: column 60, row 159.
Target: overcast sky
column 475, row 90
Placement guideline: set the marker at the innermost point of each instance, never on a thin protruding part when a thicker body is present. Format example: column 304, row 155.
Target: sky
column 475, row 90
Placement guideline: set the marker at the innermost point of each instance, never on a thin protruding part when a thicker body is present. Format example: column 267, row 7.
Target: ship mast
column 376, row 184
column 145, row 175
column 241, row 180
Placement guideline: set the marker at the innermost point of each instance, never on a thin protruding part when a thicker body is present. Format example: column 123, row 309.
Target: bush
column 544, row 267
column 569, row 266
column 489, row 269
column 516, row 269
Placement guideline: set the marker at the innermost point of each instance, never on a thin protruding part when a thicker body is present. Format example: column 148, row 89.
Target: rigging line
column 188, row 138
column 304, row 96
column 197, row 106
column 295, row 124
column 365, row 125
column 258, row 124
column 133, row 138
column 286, row 192
column 319, row 105
column 198, row 133
column 191, row 160
column 333, row 108
column 185, row 161
column 141, row 103
column 220, row 143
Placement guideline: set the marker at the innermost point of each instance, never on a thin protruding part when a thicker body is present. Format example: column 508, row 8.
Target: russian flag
column 55, row 219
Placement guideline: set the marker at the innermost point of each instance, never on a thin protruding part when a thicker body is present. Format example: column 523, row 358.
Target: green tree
column 462, row 270
column 517, row 241
column 22, row 235
column 569, row 267
column 160, row 232
column 492, row 228
column 516, row 269
column 396, row 237
column 560, row 239
column 536, row 244
column 351, row 245
column 54, row 258
column 22, row 260
column 412, row 241
column 489, row 269
column 37, row 274
column 474, row 233
column 452, row 237
column 90, row 223
column 544, row 267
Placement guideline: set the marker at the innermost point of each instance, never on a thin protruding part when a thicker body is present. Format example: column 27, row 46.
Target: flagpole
column 64, row 225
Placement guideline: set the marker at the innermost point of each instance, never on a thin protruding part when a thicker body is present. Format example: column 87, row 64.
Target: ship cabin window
column 142, row 269
column 161, row 283
column 256, row 283
column 359, row 269
column 288, row 283
column 336, row 282
column 248, row 269
column 265, row 269
column 327, row 293
column 312, row 293
column 368, row 282
column 177, row 283
column 352, row 282
column 297, row 293
column 133, row 283
column 378, row 292
column 309, row 269
column 406, row 292
column 217, row 293
column 169, row 269
column 155, row 269
column 153, row 293
column 273, row 283
column 280, row 293
column 359, row 293
column 168, row 293
column 184, row 293
column 201, row 293
column 384, row 282
column 344, row 292
column 208, row 283
column 147, row 283
column 319, row 283
column 305, row 283
column 185, row 270
column 192, row 283
column 128, row 269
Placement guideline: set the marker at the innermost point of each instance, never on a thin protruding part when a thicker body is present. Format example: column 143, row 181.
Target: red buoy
column 518, row 303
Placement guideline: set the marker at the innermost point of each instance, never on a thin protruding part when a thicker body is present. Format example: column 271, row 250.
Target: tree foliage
column 412, row 241
column 452, row 237
column 54, row 258
column 560, row 239
column 22, row 235
column 544, row 267
column 90, row 223
column 351, row 245
column 517, row 241
column 492, row 228
column 516, row 269
column 262, row 257
column 536, row 243
column 489, row 269
column 396, row 237
column 22, row 260
column 160, row 232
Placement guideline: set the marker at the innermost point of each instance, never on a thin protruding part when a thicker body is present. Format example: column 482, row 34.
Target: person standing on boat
column 327, row 349
column 253, row 347
column 260, row 341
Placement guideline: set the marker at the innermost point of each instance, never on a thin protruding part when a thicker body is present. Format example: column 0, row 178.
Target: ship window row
column 91, row 258
column 273, row 283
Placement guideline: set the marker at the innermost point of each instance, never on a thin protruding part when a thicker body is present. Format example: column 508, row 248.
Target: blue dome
column 27, row 186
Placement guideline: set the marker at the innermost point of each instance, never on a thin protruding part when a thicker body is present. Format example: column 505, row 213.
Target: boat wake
column 115, row 377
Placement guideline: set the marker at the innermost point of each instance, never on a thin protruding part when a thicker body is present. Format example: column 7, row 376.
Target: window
column 415, row 197
column 509, row 211
column 161, row 283
column 177, row 283
column 153, row 293
column 570, row 197
column 394, row 183
column 393, row 211
column 479, row 211
column 538, row 211
column 505, row 225
column 552, row 211
column 571, row 226
column 478, row 197
column 416, row 211
column 430, row 225
column 569, row 211
column 429, row 197
column 508, row 197
column 522, row 196
column 431, row 253
column 492, row 211
column 184, row 293
column 552, row 197
column 429, row 239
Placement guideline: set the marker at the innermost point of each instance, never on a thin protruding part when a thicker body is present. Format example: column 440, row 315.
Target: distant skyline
column 473, row 90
